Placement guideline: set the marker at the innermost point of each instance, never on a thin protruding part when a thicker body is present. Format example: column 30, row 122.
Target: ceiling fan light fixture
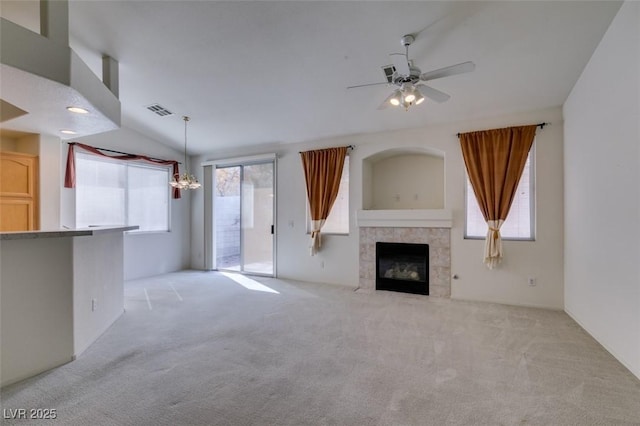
column 409, row 97
column 396, row 98
column 421, row 93
column 408, row 93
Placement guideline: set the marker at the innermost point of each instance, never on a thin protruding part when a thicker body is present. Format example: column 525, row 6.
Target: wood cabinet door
column 18, row 192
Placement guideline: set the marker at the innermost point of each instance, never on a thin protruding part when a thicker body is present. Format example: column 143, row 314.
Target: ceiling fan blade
column 365, row 85
column 432, row 93
column 400, row 63
column 447, row 71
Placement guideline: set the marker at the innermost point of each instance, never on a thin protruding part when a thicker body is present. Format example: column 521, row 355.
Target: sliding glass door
column 244, row 220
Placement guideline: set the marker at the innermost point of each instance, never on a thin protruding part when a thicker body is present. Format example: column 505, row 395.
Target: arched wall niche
column 404, row 179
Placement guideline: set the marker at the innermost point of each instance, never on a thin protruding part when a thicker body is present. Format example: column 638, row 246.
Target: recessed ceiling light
column 78, row 110
column 68, row 132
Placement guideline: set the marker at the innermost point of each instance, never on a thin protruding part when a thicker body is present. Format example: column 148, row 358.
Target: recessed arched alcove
column 403, row 179
column 403, row 201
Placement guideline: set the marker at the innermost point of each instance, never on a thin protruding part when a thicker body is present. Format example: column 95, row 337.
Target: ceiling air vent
column 388, row 72
column 159, row 110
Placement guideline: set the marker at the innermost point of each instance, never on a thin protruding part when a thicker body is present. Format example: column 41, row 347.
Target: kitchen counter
column 59, row 291
column 24, row 235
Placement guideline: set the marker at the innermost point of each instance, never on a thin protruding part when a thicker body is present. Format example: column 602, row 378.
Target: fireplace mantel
column 440, row 218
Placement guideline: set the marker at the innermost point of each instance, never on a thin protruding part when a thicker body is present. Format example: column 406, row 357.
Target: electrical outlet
column 322, row 264
column 94, row 305
column 531, row 281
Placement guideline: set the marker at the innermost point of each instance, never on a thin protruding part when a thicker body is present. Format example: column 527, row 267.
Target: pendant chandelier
column 185, row 180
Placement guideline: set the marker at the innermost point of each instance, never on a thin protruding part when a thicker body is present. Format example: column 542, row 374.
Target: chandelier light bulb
column 185, row 180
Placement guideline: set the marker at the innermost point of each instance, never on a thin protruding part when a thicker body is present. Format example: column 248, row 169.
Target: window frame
column 532, row 202
column 346, row 167
column 127, row 164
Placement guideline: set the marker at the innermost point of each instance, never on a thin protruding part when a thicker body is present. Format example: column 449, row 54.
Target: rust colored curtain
column 70, row 172
column 322, row 173
column 494, row 160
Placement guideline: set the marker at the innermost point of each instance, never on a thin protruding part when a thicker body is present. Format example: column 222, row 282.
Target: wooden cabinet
column 18, row 191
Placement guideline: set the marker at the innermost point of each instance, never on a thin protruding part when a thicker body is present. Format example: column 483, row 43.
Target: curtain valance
column 70, row 172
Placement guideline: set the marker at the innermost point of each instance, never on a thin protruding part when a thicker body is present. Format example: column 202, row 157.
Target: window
column 338, row 220
column 520, row 220
column 111, row 192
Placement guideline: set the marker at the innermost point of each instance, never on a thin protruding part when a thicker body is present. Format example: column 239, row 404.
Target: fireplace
column 436, row 235
column 402, row 267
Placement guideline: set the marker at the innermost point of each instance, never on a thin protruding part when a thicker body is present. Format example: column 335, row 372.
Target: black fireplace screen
column 402, row 267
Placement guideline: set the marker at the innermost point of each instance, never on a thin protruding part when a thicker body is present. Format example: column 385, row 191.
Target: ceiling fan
column 407, row 78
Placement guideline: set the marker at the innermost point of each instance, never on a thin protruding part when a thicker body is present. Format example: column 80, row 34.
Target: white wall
column 36, row 306
column 8, row 144
column 97, row 275
column 29, row 144
column 602, row 200
column 146, row 254
column 408, row 182
column 50, row 165
column 48, row 285
column 508, row 284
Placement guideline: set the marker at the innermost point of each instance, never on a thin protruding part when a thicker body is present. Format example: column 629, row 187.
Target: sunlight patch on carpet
column 249, row 283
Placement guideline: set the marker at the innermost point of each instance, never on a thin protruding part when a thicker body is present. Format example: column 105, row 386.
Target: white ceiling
column 258, row 72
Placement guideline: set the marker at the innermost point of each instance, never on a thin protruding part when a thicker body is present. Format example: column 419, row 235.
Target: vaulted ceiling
column 259, row 72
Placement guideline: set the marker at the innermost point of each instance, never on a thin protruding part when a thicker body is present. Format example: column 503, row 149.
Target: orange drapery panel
column 322, row 174
column 494, row 160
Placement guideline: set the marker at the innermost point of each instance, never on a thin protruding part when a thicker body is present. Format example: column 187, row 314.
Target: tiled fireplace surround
column 438, row 238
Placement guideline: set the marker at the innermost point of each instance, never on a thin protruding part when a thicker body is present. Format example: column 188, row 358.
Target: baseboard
column 620, row 359
column 97, row 334
column 34, row 373
column 509, row 303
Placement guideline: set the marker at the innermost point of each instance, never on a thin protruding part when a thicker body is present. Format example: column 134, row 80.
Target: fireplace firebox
column 402, row 267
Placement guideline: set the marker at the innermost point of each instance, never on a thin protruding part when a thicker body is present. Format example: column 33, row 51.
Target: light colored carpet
column 210, row 351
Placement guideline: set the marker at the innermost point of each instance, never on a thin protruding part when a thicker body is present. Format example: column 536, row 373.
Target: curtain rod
column 126, row 153
column 541, row 125
column 348, row 147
